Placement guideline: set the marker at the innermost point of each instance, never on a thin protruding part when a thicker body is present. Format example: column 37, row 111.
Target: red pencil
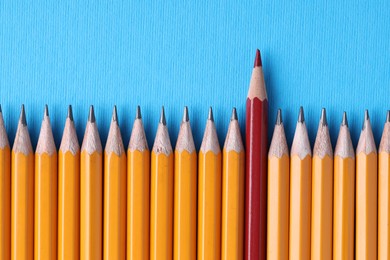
column 256, row 165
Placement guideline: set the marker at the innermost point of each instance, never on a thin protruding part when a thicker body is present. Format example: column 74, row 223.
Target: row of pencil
column 81, row 204
column 328, row 206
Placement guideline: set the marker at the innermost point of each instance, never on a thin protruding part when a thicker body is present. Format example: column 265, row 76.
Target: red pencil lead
column 258, row 62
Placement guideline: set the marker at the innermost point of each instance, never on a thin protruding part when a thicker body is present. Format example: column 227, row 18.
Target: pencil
column 256, row 164
column 22, row 193
column 185, row 193
column 45, row 218
column 233, row 184
column 383, row 193
column 300, row 192
column 114, row 193
column 344, row 195
column 138, row 177
column 91, row 192
column 69, row 192
column 278, row 193
column 161, row 200
column 5, row 192
column 322, row 193
column 209, row 194
column 366, row 194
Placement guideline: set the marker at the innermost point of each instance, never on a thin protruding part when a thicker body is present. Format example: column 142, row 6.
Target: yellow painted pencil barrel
column 69, row 192
column 114, row 194
column 233, row 185
column 22, row 194
column 161, row 195
column 185, row 193
column 278, row 194
column 138, row 181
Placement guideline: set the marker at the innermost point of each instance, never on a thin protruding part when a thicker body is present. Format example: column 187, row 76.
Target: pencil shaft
column 5, row 203
column 384, row 206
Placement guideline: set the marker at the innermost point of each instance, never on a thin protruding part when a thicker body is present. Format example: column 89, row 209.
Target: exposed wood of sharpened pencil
column 161, row 195
column 114, row 193
column 278, row 193
column 209, row 194
column 366, row 194
column 256, row 164
column 322, row 193
column 69, row 192
column 300, row 192
column 233, row 185
column 91, row 192
column 344, row 195
column 45, row 204
column 5, row 192
column 185, row 193
column 22, row 193
column 138, row 177
column 383, row 193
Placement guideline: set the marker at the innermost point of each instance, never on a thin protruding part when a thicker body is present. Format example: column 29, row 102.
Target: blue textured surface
column 332, row 54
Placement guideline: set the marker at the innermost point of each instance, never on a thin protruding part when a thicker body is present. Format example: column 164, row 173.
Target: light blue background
column 333, row 54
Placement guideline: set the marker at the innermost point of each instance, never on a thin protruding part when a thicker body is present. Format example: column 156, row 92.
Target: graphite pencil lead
column 323, row 119
column 115, row 115
column 211, row 116
column 366, row 119
column 91, row 116
column 186, row 117
column 46, row 112
column 70, row 113
column 234, row 115
column 301, row 116
column 138, row 113
column 258, row 62
column 279, row 120
column 23, row 120
column 388, row 116
column 345, row 120
column 162, row 117
column 1, row 111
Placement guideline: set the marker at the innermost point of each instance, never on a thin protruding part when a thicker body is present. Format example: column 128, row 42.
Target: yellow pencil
column 384, row 193
column 185, row 193
column 209, row 194
column 22, row 194
column 91, row 193
column 278, row 194
column 114, row 193
column 322, row 193
column 45, row 218
column 161, row 195
column 300, row 193
column 344, row 195
column 5, row 192
column 233, row 185
column 69, row 192
column 366, row 194
column 138, row 177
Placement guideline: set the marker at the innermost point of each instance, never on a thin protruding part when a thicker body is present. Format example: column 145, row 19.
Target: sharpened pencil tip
column 22, row 119
column 162, row 117
column 344, row 122
column 388, row 116
column 70, row 113
column 279, row 120
column 138, row 113
column 114, row 115
column 366, row 119
column 1, row 111
column 323, row 119
column 301, row 115
column 91, row 116
column 211, row 116
column 46, row 112
column 234, row 114
column 186, row 117
column 258, row 62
